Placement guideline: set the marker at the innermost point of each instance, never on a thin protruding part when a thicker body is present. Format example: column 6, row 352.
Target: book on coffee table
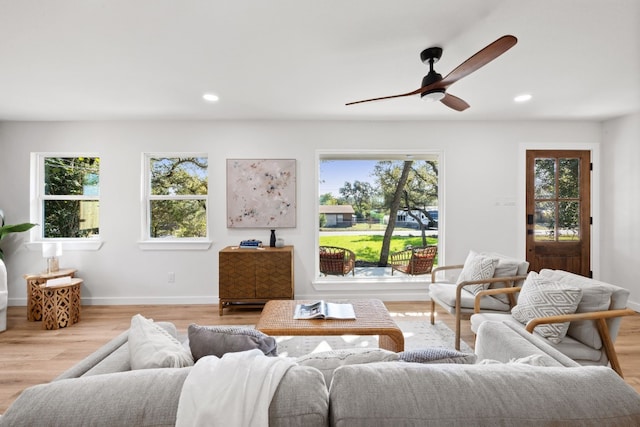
column 324, row 310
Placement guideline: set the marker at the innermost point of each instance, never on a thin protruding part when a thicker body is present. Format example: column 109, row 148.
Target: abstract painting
column 261, row 193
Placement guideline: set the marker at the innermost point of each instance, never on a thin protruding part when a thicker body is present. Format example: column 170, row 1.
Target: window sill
column 350, row 283
column 70, row 245
column 174, row 245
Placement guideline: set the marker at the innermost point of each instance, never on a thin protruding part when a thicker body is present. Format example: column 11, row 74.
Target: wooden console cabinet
column 254, row 276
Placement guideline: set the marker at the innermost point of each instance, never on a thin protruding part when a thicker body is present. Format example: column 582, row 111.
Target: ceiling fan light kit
column 434, row 87
column 433, row 95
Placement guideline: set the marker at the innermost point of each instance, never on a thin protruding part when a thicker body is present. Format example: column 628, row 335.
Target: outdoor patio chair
column 413, row 261
column 337, row 261
column 584, row 326
column 480, row 271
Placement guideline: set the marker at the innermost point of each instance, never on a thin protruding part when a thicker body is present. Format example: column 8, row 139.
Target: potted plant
column 5, row 230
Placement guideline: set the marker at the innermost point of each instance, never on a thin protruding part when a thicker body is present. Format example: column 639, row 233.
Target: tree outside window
column 177, row 196
column 70, row 197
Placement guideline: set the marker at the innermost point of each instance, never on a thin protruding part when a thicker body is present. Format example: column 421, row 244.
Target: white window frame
column 37, row 193
column 342, row 284
column 170, row 243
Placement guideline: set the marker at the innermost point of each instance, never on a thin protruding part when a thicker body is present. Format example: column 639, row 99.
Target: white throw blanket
column 234, row 390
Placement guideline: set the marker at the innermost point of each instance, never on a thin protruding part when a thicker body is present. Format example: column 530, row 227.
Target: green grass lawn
column 367, row 247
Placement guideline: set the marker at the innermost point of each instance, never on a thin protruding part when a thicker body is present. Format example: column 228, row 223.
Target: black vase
column 272, row 242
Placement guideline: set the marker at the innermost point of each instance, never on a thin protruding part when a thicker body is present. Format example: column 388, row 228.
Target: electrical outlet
column 172, row 277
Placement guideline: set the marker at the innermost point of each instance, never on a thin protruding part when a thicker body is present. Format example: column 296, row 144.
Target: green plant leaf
column 15, row 228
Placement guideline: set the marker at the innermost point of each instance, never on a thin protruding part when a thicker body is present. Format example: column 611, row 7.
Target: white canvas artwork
column 261, row 193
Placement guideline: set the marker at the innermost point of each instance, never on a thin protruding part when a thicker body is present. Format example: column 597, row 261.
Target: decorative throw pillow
column 477, row 267
column 437, row 355
column 328, row 361
column 505, row 268
column 541, row 297
column 151, row 346
column 218, row 340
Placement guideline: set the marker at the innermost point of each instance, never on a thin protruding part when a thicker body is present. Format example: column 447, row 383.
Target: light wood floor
column 30, row 355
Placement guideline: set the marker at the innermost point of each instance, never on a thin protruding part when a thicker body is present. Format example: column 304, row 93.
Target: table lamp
column 51, row 252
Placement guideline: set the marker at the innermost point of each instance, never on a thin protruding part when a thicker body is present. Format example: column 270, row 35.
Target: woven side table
column 34, row 290
column 61, row 304
column 372, row 318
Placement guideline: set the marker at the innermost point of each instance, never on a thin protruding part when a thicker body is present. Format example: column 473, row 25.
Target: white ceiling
column 304, row 59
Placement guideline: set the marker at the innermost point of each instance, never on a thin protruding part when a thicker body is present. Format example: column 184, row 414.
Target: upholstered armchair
column 4, row 297
column 480, row 272
column 578, row 316
column 413, row 261
column 337, row 261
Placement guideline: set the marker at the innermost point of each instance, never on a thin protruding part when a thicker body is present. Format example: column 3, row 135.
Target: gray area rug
column 417, row 335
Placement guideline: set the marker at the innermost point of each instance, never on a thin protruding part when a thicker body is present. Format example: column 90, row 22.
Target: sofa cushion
column 410, row 394
column 151, row 346
column 218, row 340
column 541, row 297
column 436, row 355
column 147, row 397
column 328, row 361
column 477, row 267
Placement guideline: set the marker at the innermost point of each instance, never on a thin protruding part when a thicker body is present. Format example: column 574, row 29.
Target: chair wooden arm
column 507, row 279
column 508, row 291
column 592, row 315
column 442, row 268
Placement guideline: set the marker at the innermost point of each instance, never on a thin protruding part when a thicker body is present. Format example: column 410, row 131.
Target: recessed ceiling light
column 210, row 97
column 523, row 98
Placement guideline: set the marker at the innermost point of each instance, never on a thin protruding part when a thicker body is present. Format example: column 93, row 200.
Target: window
column 356, row 207
column 176, row 197
column 67, row 201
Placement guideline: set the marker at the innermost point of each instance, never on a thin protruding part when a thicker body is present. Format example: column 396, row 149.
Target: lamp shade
column 51, row 249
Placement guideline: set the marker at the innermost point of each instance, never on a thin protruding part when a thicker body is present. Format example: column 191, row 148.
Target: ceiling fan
column 434, row 87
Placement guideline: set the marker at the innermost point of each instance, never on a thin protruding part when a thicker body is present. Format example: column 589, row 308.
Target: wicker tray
column 372, row 318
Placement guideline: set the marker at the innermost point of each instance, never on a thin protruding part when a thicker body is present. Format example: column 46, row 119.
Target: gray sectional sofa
column 496, row 391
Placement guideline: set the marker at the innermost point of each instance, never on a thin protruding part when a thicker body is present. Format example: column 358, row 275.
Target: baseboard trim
column 388, row 295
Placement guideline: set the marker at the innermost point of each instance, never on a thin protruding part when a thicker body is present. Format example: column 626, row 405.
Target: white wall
column 621, row 204
column 479, row 171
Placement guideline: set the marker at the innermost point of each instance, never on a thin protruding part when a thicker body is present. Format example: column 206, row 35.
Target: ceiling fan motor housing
column 431, row 53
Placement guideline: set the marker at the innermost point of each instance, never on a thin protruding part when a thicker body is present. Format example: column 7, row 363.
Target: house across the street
column 338, row 215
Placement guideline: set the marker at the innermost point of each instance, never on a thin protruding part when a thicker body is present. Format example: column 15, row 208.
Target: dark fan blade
column 480, row 59
column 454, row 102
column 387, row 97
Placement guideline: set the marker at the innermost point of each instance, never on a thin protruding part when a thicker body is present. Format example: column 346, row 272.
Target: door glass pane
column 544, row 174
column 545, row 220
column 569, row 179
column 568, row 221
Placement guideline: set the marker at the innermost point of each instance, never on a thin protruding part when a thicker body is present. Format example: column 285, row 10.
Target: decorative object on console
column 279, row 242
column 272, row 241
column 261, row 193
column 250, row 244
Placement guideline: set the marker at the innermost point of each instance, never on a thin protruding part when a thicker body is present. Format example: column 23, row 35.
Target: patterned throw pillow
column 541, row 297
column 437, row 355
column 477, row 267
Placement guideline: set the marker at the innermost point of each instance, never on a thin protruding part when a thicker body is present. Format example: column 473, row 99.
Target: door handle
column 530, row 219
